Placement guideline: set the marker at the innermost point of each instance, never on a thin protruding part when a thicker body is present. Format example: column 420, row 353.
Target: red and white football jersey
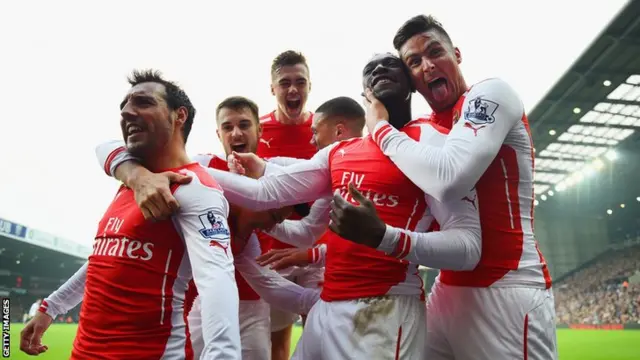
column 490, row 149
column 136, row 294
column 283, row 140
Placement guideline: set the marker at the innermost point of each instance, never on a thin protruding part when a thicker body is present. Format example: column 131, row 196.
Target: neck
column 169, row 157
column 282, row 117
column 399, row 111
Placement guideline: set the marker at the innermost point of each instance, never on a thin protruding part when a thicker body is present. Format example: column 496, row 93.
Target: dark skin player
column 386, row 79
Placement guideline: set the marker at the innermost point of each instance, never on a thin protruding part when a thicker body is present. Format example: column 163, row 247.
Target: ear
column 273, row 91
column 309, row 85
column 259, row 130
column 218, row 133
column 181, row 115
column 458, row 55
column 340, row 129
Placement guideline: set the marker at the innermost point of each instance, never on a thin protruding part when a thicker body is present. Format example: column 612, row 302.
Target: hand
column 248, row 164
column 358, row 223
column 284, row 258
column 153, row 193
column 376, row 111
column 31, row 335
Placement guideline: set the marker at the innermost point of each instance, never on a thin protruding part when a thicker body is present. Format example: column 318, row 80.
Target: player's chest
column 124, row 233
column 292, row 141
column 363, row 164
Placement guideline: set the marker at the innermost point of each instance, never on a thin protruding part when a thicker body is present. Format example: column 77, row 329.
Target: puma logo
column 266, row 142
column 475, row 129
column 470, row 200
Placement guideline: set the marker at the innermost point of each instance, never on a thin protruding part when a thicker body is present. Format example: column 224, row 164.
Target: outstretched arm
column 271, row 286
column 457, row 246
column 304, row 233
column 491, row 109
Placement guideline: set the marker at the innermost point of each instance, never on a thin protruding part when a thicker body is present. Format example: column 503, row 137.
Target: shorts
column 255, row 335
column 307, row 277
column 466, row 323
column 391, row 327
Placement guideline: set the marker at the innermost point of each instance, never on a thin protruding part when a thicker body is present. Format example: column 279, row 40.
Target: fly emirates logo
column 121, row 247
column 379, row 199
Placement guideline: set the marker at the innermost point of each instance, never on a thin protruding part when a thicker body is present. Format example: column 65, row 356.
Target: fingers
column 25, row 339
column 272, row 256
column 169, row 201
column 357, row 195
column 338, row 200
column 368, row 94
column 175, row 178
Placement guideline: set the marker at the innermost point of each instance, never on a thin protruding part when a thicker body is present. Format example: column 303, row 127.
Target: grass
column 573, row 344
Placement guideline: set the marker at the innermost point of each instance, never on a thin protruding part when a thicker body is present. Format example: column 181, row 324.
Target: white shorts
column 307, row 277
column 466, row 323
column 255, row 334
column 391, row 327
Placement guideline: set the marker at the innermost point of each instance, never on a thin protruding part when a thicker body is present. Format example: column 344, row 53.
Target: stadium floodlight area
column 586, row 147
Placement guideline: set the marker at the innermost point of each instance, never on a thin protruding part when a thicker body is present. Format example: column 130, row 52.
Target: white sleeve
column 457, row 246
column 271, row 286
column 202, row 221
column 304, row 233
column 317, row 255
column 284, row 161
column 111, row 154
column 302, row 182
column 68, row 295
column 491, row 110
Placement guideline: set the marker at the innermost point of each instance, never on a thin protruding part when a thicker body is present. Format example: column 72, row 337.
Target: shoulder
column 487, row 97
column 208, row 160
column 267, row 118
column 202, row 190
column 425, row 123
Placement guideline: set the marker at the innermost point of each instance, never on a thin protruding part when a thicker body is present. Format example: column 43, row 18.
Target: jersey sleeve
column 457, row 246
column 203, row 159
column 302, row 182
column 490, row 110
column 284, row 161
column 111, row 154
column 68, row 295
column 202, row 221
column 317, row 255
column 304, row 233
column 271, row 286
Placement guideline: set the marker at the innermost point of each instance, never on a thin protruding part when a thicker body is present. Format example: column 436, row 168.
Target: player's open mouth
column 383, row 79
column 294, row 104
column 239, row 148
column 437, row 82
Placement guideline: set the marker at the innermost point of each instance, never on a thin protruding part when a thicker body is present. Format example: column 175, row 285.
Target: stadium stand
column 33, row 263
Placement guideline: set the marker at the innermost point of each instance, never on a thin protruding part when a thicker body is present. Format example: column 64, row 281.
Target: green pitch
column 574, row 344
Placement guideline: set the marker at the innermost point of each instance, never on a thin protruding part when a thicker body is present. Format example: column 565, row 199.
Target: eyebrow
column 430, row 44
column 135, row 95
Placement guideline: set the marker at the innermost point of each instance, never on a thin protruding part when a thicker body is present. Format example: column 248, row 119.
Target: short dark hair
column 288, row 58
column 238, row 103
column 418, row 25
column 174, row 95
column 345, row 107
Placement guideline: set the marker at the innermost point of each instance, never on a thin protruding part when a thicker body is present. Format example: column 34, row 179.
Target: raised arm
column 457, row 246
column 271, row 286
column 202, row 220
column 490, row 110
column 67, row 296
column 304, row 233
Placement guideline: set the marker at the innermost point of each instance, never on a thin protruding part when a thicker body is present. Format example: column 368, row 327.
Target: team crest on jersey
column 214, row 227
column 480, row 111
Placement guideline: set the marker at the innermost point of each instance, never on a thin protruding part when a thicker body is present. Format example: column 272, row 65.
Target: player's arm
column 67, row 296
column 304, row 233
column 450, row 171
column 302, row 182
column 457, row 246
column 208, row 247
column 271, row 286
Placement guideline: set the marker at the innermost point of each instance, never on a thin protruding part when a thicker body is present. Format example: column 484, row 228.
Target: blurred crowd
column 606, row 292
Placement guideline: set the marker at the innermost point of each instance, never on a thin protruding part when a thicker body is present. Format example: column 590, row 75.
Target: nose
column 236, row 132
column 427, row 65
column 379, row 69
column 127, row 112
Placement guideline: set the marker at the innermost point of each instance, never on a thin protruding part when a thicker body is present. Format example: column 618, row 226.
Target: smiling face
column 434, row 66
column 385, row 75
column 238, row 130
column 147, row 123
